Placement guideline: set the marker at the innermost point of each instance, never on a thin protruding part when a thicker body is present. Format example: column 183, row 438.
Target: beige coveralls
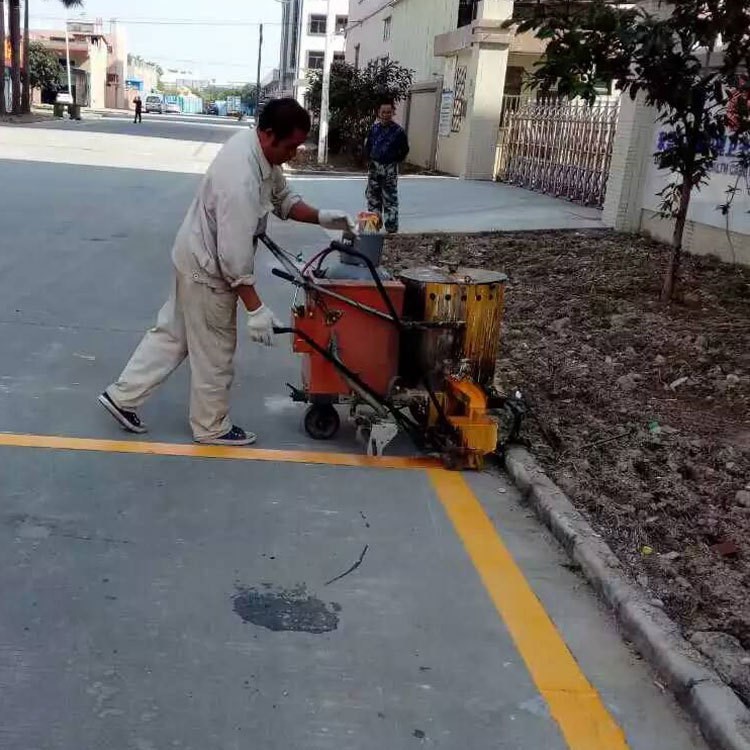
column 213, row 254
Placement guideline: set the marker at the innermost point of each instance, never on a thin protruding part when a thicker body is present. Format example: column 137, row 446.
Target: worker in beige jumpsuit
column 213, row 257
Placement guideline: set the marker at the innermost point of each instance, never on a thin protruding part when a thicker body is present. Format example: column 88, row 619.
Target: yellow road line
column 574, row 703
column 210, row 451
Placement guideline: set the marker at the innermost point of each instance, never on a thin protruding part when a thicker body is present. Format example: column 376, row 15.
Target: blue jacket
column 387, row 144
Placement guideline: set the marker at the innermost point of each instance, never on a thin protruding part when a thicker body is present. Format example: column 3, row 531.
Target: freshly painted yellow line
column 575, row 705
column 573, row 702
column 210, row 451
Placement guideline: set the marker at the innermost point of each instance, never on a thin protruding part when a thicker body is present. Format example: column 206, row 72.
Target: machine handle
column 284, row 275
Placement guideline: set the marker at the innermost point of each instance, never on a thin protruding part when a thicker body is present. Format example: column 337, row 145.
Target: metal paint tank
column 448, row 295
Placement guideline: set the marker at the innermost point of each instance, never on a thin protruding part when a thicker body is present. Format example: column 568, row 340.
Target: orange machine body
column 365, row 343
column 465, row 405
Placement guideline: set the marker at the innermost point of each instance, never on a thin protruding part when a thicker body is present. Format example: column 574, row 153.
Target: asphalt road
column 178, row 127
column 158, row 597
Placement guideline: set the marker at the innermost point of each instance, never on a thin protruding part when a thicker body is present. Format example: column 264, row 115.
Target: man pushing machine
column 214, row 258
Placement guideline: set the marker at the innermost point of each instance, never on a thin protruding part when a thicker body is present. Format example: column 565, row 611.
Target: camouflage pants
column 382, row 193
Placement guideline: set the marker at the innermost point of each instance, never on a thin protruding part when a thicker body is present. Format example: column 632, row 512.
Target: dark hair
column 283, row 116
column 386, row 101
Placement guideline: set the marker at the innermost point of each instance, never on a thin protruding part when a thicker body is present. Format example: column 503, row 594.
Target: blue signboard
column 134, row 83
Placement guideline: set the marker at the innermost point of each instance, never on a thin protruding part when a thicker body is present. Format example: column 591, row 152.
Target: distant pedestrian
column 386, row 147
column 138, row 109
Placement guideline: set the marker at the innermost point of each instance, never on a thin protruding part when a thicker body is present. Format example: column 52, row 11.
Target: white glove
column 336, row 220
column 260, row 325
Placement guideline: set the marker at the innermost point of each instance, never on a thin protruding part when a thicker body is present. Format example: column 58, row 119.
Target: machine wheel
column 322, row 421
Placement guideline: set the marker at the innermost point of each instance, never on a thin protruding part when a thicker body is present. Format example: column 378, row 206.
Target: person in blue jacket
column 386, row 147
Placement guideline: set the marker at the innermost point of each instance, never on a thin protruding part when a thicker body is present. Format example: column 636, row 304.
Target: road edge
column 721, row 716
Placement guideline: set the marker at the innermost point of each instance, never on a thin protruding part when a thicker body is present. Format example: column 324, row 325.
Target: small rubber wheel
column 322, row 421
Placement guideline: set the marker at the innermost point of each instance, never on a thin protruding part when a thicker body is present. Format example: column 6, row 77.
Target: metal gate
column 562, row 148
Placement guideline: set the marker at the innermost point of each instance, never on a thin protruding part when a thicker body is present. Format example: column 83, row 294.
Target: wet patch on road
column 279, row 609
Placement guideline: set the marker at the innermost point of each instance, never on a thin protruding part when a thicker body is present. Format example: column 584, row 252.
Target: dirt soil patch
column 640, row 413
column 306, row 160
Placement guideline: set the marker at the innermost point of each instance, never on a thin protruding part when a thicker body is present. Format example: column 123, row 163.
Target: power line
column 361, row 21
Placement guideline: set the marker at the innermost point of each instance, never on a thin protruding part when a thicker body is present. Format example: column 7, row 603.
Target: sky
column 213, row 40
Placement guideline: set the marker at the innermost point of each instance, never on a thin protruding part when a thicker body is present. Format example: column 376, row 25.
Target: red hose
column 312, row 260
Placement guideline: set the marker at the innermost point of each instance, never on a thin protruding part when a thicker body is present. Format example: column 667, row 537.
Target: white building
column 368, row 37
column 303, row 40
column 403, row 31
column 464, row 62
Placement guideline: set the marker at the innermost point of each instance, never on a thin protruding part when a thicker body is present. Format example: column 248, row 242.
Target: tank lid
column 444, row 275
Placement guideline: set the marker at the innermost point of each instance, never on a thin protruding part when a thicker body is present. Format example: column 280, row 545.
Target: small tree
column 687, row 61
column 27, row 84
column 44, row 67
column 249, row 95
column 355, row 94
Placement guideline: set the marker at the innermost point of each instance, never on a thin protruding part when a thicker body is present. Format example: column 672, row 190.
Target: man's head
column 386, row 110
column 282, row 128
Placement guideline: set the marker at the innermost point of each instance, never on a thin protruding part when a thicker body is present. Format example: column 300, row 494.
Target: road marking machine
column 413, row 354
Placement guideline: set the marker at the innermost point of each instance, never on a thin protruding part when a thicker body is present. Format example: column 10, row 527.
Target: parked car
column 154, row 103
column 212, row 109
column 173, row 109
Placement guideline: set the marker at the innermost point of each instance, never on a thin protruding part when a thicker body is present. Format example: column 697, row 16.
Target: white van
column 154, row 103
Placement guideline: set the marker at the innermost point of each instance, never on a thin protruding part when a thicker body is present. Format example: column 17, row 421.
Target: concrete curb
column 721, row 716
column 293, row 172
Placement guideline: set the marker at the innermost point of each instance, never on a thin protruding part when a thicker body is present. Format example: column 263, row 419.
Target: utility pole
column 26, row 92
column 67, row 57
column 3, row 105
column 257, row 82
column 326, row 88
column 286, row 23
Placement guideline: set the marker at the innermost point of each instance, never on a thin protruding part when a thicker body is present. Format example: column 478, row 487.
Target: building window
column 387, row 29
column 339, row 57
column 315, row 60
column 317, row 25
column 341, row 23
column 357, row 50
column 467, row 12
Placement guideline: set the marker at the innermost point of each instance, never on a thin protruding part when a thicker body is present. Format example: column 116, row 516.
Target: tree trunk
column 672, row 275
column 14, row 23
column 3, row 108
column 26, row 96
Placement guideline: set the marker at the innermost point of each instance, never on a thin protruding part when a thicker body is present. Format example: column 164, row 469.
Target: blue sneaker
column 235, row 436
column 128, row 420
